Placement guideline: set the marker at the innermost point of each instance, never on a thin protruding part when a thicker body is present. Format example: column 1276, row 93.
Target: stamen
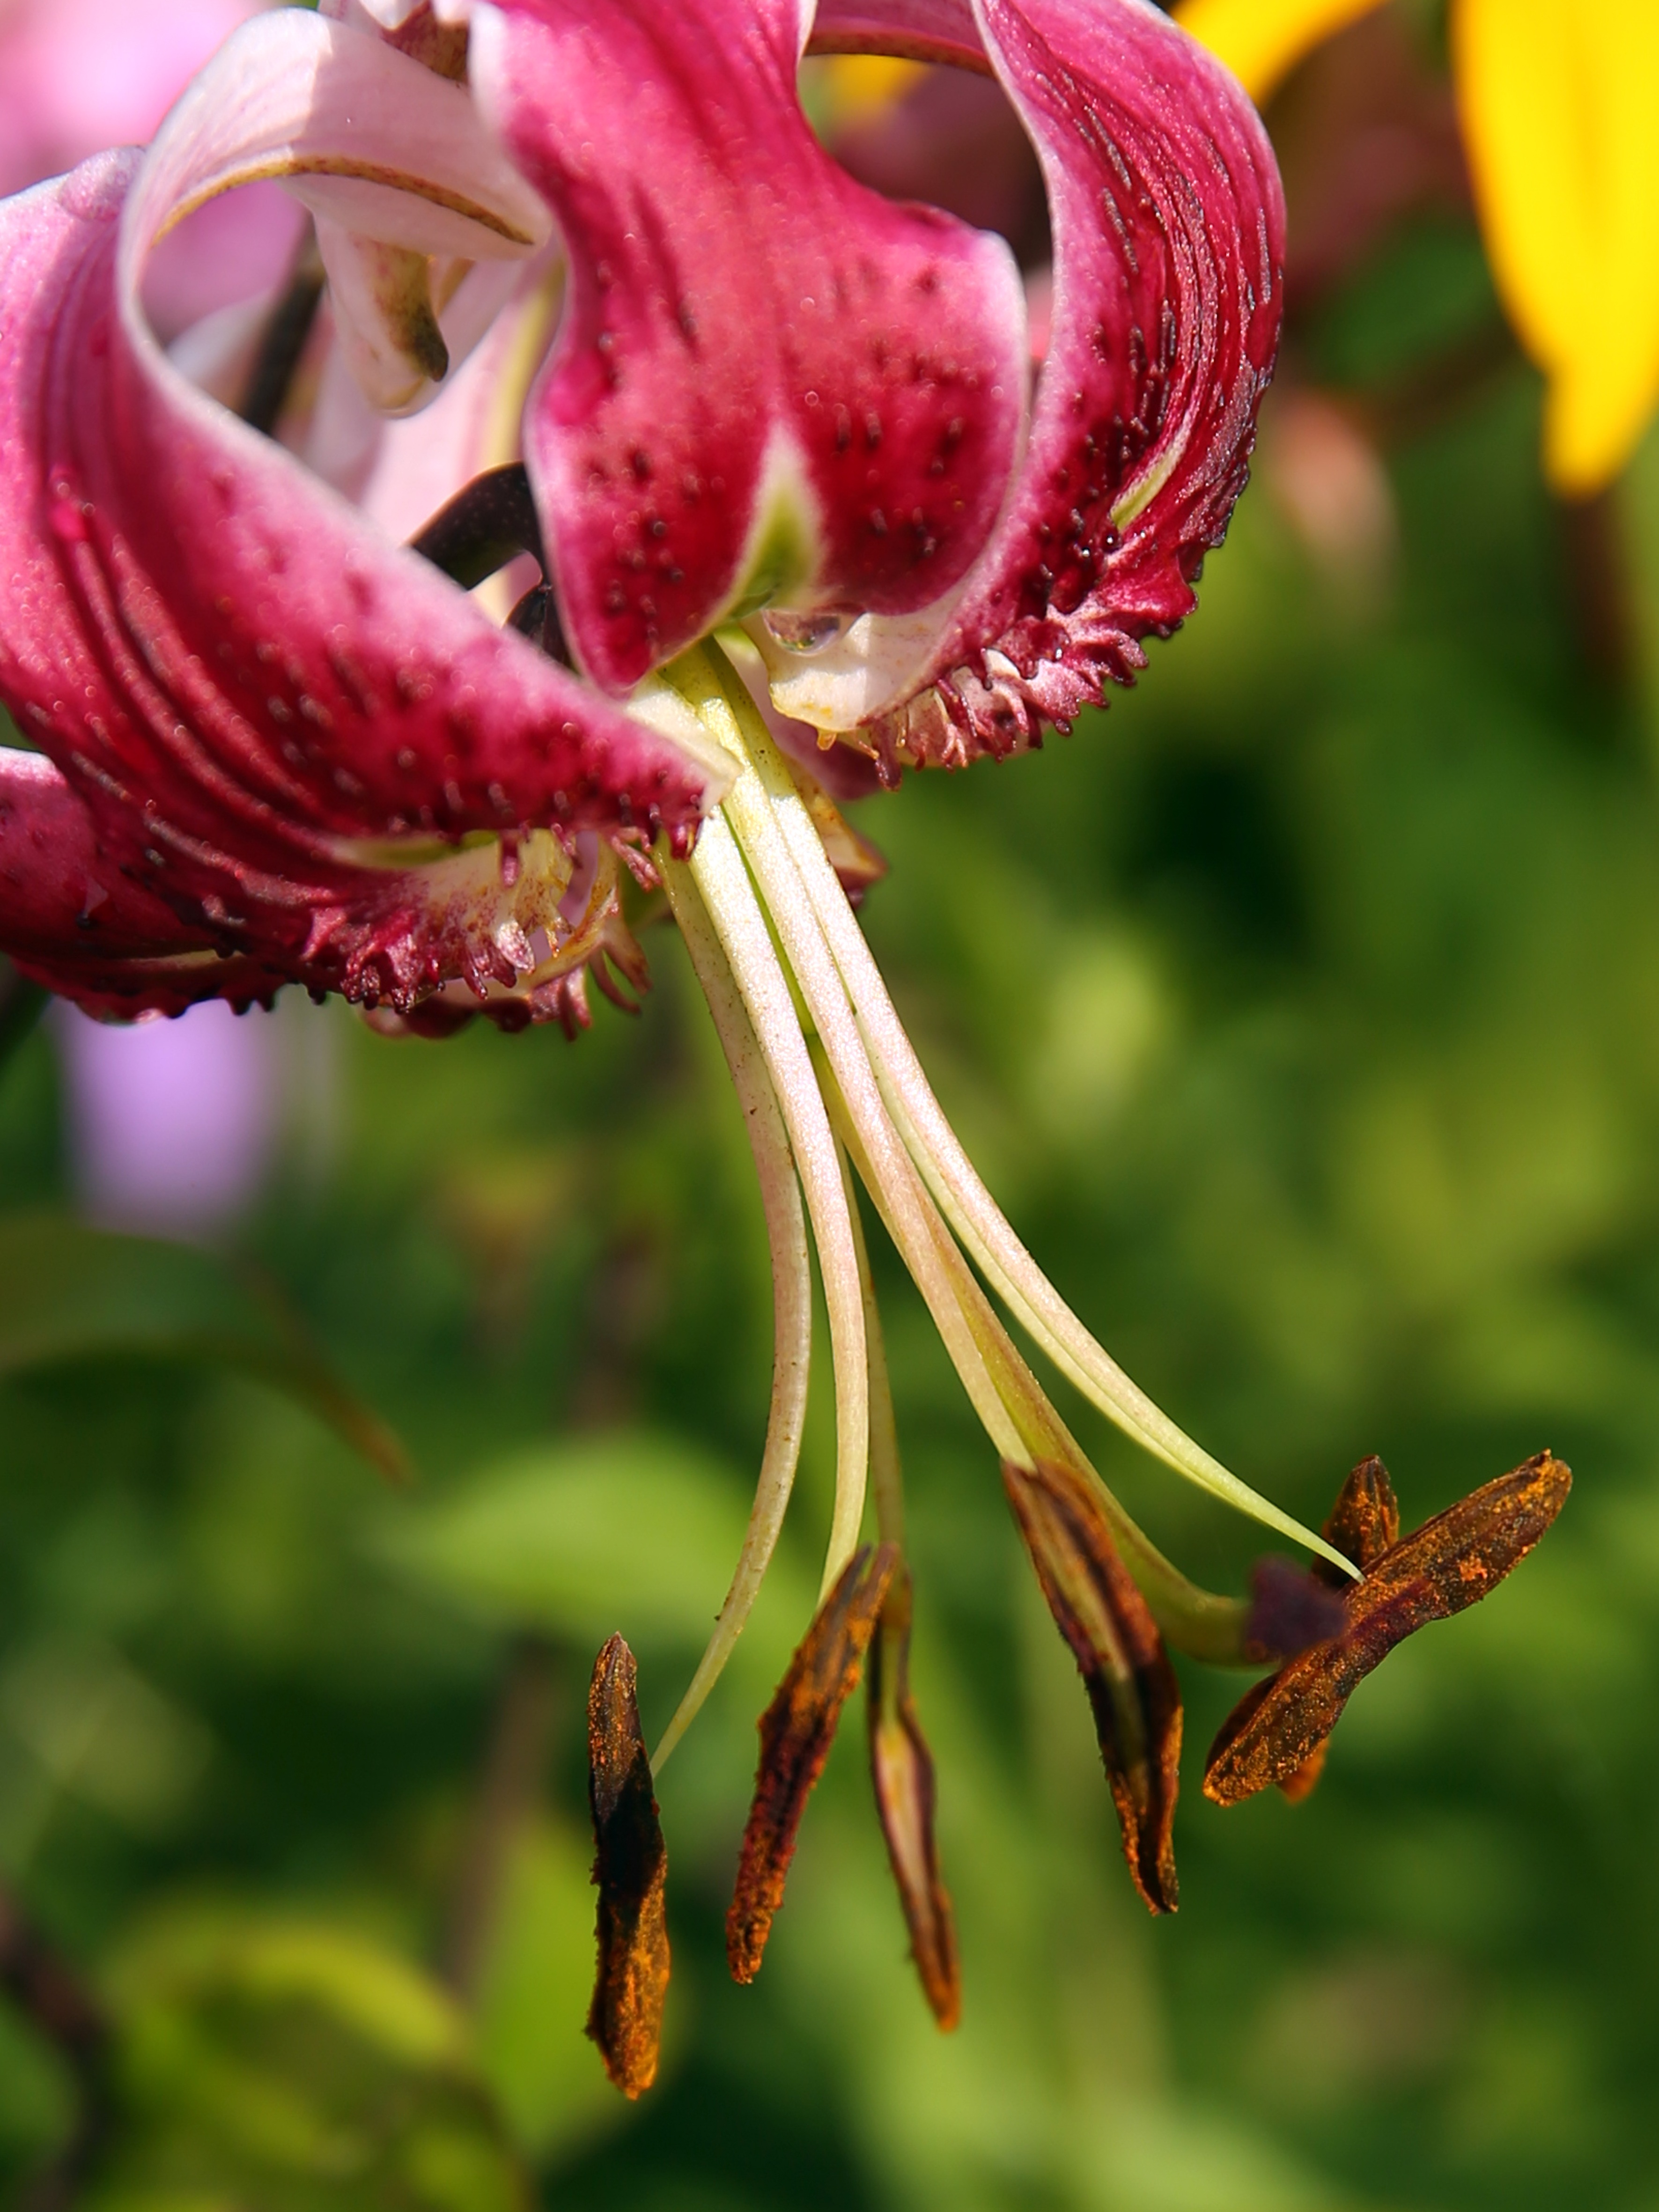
column 723, row 881
column 792, row 1288
column 967, row 1205
column 796, row 1731
column 702, row 678
column 630, row 1868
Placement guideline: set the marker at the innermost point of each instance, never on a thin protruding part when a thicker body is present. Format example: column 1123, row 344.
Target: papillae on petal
column 630, row 1869
column 902, row 1768
column 277, row 721
column 1168, row 225
column 772, row 386
column 1277, row 1731
column 796, row 1731
column 1121, row 1656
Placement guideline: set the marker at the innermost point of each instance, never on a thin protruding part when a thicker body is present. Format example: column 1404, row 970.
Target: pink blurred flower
column 171, row 1124
column 76, row 76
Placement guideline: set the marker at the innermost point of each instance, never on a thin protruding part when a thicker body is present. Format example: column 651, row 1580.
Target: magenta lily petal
column 72, row 919
column 772, row 386
column 283, row 724
column 1168, row 226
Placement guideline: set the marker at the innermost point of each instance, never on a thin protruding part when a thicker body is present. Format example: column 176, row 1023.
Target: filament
column 792, row 1289
column 717, row 868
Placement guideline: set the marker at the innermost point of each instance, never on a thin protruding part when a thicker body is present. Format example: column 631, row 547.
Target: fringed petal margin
column 1168, row 225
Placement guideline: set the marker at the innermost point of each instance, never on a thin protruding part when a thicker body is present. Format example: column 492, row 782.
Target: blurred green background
column 1303, row 1013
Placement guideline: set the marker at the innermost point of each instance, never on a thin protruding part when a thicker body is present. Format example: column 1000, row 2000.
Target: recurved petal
column 772, row 386
column 796, row 1732
column 285, row 725
column 1279, row 1727
column 630, row 1869
column 72, row 919
column 1121, row 1656
column 1168, row 226
column 902, row 1767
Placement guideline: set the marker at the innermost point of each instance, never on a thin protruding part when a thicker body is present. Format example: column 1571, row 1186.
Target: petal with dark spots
column 1121, row 1656
column 1281, row 1725
column 902, row 1768
column 796, row 1732
column 773, row 385
column 630, row 1868
column 273, row 716
column 1168, row 224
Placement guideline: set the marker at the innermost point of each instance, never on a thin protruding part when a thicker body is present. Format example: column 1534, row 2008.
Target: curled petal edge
column 317, row 753
column 1168, row 223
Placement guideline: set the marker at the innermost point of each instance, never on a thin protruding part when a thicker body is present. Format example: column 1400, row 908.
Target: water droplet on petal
column 804, row 633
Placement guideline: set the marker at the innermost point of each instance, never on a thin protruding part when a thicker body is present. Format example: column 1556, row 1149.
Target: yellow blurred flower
column 1560, row 106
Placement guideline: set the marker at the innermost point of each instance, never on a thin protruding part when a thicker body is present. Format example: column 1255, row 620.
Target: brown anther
column 1364, row 1521
column 1277, row 1732
column 630, row 1868
column 902, row 1768
column 796, row 1732
column 1120, row 1656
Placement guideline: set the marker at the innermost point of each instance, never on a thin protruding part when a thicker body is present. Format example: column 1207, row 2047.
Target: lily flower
column 781, row 418
column 1573, row 240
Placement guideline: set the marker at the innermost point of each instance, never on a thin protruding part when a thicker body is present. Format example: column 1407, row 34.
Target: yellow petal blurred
column 1559, row 103
column 1260, row 40
column 862, row 86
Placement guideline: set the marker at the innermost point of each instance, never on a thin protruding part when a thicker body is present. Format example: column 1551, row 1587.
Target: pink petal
column 771, row 386
column 73, row 919
column 1168, row 226
column 261, row 702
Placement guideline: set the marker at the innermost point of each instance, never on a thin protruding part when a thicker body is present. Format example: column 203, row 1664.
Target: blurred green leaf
column 621, row 1529
column 68, row 1294
column 21, row 1005
column 534, row 1992
column 295, row 2066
